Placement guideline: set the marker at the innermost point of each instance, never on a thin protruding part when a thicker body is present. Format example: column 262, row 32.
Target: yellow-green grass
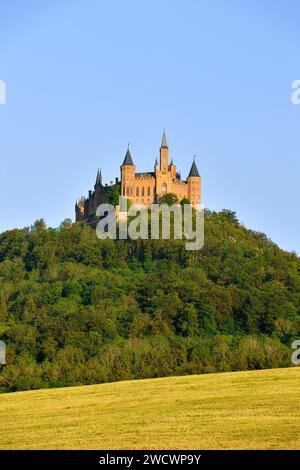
column 240, row 410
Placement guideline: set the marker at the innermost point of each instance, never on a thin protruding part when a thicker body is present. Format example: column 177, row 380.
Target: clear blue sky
column 84, row 78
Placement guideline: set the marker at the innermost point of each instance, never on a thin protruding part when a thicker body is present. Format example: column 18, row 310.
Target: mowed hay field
column 240, row 410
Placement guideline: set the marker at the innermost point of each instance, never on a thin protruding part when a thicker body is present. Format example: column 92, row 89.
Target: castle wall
column 144, row 190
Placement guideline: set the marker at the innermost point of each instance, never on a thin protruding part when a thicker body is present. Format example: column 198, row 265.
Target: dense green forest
column 77, row 310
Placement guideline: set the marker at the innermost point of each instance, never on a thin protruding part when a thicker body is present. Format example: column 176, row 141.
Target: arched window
column 148, row 192
column 164, row 188
column 143, row 191
column 137, row 192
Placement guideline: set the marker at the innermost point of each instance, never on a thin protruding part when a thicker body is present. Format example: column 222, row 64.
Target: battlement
column 144, row 176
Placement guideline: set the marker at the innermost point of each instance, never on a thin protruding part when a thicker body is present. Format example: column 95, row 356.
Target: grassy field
column 241, row 410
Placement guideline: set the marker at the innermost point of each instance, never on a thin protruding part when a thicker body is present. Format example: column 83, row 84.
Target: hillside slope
column 75, row 310
column 242, row 410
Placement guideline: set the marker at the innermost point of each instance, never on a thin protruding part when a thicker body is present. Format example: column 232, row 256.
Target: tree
column 66, row 223
column 169, row 199
column 188, row 321
column 39, row 225
column 184, row 201
column 230, row 216
column 113, row 195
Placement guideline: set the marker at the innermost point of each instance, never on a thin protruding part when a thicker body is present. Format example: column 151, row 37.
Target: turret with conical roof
column 194, row 185
column 194, row 170
column 128, row 159
column 127, row 175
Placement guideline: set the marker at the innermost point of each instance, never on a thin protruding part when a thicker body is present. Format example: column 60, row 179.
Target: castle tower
column 80, row 209
column 127, row 176
column 172, row 169
column 194, row 185
column 98, row 196
column 98, row 180
column 164, row 155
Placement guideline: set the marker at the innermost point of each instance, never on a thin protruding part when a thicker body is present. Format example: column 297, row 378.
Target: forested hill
column 77, row 310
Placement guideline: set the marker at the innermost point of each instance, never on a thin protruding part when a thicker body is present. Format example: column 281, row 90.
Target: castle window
column 137, row 192
column 148, row 192
column 143, row 191
column 128, row 191
column 164, row 188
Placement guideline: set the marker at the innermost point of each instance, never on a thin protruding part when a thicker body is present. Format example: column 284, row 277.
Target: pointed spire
column 194, row 170
column 128, row 160
column 164, row 140
column 98, row 178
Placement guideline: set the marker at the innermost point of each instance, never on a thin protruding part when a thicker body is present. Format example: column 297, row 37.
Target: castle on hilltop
column 144, row 188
